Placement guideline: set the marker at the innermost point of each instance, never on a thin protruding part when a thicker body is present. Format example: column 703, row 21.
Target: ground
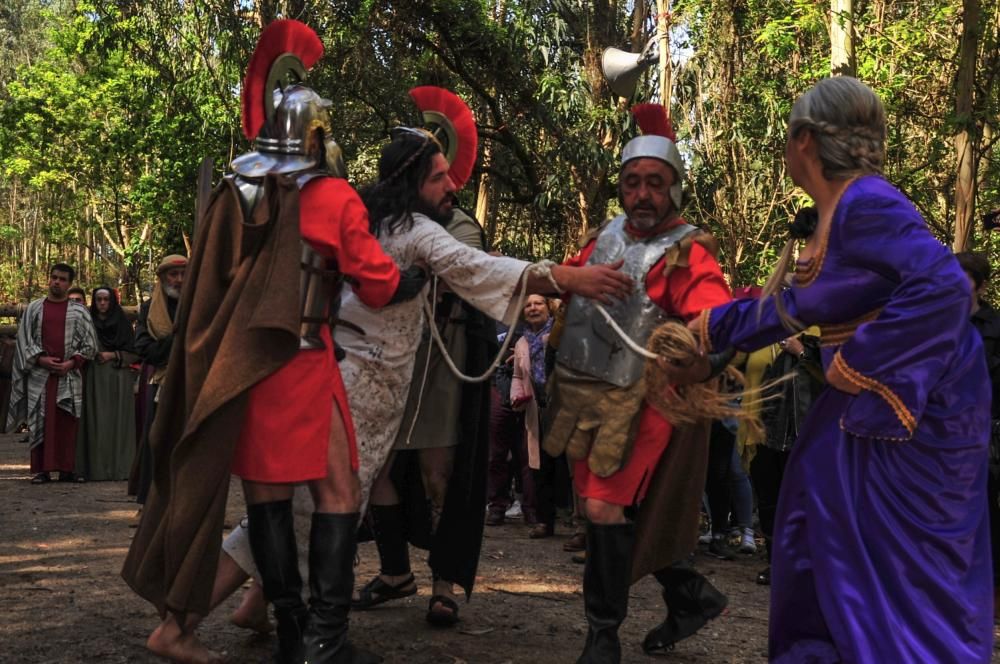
column 64, row 601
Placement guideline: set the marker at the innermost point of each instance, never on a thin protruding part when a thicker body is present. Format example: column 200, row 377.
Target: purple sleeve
column 748, row 325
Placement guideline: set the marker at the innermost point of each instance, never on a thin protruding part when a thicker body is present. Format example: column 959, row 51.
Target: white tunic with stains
column 379, row 365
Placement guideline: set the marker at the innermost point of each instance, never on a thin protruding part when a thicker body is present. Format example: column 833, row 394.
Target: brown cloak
column 237, row 323
column 667, row 524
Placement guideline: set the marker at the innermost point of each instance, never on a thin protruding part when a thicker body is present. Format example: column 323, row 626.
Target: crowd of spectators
column 84, row 378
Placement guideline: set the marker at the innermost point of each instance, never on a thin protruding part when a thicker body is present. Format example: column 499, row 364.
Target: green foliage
column 108, row 106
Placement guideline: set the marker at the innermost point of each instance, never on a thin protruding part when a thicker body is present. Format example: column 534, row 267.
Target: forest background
column 107, row 107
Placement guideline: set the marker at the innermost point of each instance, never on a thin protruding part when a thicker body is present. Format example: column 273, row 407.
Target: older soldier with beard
column 602, row 421
column 154, row 337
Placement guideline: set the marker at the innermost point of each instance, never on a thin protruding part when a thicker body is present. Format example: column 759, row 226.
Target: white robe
column 379, row 365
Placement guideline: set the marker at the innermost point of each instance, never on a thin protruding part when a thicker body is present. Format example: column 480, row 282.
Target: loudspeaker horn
column 622, row 69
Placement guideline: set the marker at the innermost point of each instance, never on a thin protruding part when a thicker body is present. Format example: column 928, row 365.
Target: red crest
column 653, row 121
column 280, row 37
column 448, row 117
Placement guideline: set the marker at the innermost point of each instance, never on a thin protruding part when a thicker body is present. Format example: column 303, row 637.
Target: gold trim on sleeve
column 706, row 338
column 883, row 390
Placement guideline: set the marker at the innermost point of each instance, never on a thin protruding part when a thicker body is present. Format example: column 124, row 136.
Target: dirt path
column 62, row 599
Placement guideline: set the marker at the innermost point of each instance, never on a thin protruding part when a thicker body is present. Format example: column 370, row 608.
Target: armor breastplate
column 319, row 281
column 588, row 343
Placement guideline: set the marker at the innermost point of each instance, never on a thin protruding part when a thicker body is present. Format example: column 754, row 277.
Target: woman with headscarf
column 106, row 441
column 881, row 537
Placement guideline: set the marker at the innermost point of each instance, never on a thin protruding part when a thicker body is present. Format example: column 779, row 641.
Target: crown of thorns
column 427, row 139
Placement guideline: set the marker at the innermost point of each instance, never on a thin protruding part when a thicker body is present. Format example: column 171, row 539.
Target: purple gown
column 882, row 550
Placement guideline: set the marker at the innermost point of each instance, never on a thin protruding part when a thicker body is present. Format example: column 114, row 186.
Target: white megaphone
column 622, row 69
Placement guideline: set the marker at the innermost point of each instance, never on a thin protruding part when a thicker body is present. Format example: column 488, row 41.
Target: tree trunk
column 966, row 143
column 842, row 61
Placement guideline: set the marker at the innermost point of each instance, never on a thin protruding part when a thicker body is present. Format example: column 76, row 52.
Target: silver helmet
column 280, row 113
column 286, row 143
column 657, row 142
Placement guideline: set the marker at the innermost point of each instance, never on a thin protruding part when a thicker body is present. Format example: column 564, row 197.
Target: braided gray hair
column 848, row 121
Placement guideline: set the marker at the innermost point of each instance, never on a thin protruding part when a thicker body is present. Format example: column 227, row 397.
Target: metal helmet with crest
column 658, row 141
column 450, row 123
column 281, row 115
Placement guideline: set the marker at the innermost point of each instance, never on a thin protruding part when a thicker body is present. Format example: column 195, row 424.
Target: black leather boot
column 272, row 541
column 606, row 580
column 691, row 602
column 332, row 545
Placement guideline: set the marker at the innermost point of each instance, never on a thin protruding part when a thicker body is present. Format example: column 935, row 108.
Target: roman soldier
column 253, row 381
column 599, row 414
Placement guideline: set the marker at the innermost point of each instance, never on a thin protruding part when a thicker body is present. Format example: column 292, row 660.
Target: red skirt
column 628, row 486
column 286, row 431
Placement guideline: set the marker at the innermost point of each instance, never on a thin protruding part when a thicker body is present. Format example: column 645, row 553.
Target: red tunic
column 286, row 432
column 685, row 294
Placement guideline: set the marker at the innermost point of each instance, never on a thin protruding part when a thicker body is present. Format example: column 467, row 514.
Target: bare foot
column 442, row 613
column 252, row 611
column 168, row 641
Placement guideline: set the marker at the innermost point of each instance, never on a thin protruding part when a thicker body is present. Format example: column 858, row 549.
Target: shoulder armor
column 679, row 255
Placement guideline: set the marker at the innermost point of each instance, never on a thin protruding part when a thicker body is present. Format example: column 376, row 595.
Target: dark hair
column 62, row 267
column 402, row 169
column 804, row 223
column 77, row 289
column 977, row 265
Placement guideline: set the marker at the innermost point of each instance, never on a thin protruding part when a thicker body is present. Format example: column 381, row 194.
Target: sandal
column 377, row 591
column 444, row 616
column 41, row 478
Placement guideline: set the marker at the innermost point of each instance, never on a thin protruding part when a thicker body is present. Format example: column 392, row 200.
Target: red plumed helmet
column 451, row 122
column 285, row 37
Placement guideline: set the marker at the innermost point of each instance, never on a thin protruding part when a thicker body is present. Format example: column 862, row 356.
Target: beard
column 171, row 292
column 440, row 213
column 647, row 218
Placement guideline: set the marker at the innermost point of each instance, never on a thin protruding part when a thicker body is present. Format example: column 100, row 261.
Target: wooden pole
column 663, row 41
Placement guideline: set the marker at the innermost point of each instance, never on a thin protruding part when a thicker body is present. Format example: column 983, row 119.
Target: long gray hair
column 847, row 121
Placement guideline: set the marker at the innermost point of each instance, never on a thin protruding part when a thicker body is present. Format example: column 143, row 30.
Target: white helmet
column 656, row 142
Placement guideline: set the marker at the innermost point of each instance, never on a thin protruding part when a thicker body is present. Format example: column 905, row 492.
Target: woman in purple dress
column 881, row 537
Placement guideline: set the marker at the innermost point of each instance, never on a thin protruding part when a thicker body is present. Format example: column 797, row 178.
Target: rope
column 534, row 267
column 436, row 335
column 629, row 342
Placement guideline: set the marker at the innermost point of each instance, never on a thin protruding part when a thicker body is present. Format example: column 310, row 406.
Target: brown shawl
column 667, row 525
column 238, row 322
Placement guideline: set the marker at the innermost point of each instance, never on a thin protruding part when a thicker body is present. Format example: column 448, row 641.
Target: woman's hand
column 793, row 346
column 519, row 402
